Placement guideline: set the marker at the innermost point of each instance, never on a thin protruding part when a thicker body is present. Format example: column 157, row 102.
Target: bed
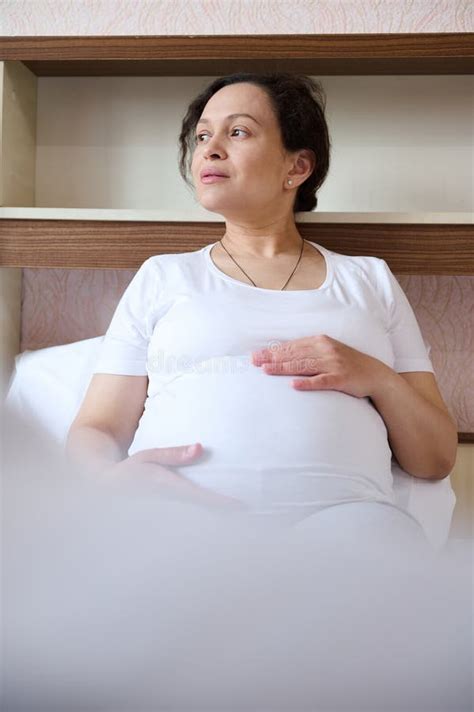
column 209, row 616
column 115, row 604
column 60, row 375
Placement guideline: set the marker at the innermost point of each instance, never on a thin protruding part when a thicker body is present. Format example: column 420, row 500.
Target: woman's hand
column 148, row 467
column 330, row 365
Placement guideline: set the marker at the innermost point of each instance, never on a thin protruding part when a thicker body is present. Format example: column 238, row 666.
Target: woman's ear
column 305, row 163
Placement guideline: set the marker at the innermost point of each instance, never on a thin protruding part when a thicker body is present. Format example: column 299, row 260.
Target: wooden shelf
column 408, row 248
column 208, row 55
column 197, row 213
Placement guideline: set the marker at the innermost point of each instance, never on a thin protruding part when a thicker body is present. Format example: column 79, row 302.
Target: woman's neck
column 258, row 245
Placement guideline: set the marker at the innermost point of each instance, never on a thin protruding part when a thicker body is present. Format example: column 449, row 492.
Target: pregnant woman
column 296, row 372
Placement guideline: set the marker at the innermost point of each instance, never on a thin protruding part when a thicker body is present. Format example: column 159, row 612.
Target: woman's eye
column 199, row 136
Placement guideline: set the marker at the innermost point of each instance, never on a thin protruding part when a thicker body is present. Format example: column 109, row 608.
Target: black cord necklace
column 241, row 268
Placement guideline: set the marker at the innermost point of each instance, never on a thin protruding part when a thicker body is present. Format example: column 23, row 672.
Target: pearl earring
column 290, row 181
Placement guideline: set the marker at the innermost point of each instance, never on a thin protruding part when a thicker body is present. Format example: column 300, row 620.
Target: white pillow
column 48, row 386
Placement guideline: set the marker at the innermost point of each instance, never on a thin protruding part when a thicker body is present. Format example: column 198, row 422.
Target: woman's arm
column 422, row 434
column 106, row 422
column 94, row 448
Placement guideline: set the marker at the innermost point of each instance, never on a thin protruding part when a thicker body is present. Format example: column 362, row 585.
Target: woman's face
column 247, row 150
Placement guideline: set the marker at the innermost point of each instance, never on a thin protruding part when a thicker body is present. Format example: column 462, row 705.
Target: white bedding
column 49, row 384
column 118, row 601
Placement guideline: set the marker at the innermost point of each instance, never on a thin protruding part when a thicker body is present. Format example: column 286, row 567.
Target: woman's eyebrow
column 231, row 116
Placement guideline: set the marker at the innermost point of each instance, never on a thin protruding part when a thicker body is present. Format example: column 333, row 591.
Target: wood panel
column 407, row 248
column 18, row 98
column 462, row 484
column 208, row 55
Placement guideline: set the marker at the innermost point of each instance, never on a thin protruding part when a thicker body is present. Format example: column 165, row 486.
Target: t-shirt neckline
column 325, row 253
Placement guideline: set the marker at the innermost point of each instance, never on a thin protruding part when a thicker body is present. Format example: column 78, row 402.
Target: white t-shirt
column 191, row 329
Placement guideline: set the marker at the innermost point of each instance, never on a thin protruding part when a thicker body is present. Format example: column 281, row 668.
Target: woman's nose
column 213, row 147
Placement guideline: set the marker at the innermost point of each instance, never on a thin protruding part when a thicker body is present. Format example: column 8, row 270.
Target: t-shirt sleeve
column 411, row 350
column 124, row 348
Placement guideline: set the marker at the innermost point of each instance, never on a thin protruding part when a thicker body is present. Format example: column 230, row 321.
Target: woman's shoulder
column 167, row 262
column 370, row 270
column 366, row 265
column 166, row 259
column 172, row 270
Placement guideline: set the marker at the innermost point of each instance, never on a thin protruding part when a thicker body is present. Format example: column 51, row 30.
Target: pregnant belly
column 264, row 439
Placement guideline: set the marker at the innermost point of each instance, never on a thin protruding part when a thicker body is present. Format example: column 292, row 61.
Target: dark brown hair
column 298, row 102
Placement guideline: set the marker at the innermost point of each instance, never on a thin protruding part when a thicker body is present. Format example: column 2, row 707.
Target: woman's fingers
column 303, row 367
column 322, row 382
column 176, row 486
column 174, row 455
column 148, row 467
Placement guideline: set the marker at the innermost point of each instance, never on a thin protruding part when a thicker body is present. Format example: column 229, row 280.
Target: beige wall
column 205, row 17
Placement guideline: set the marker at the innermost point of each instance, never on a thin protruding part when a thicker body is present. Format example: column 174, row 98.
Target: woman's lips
column 212, row 179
